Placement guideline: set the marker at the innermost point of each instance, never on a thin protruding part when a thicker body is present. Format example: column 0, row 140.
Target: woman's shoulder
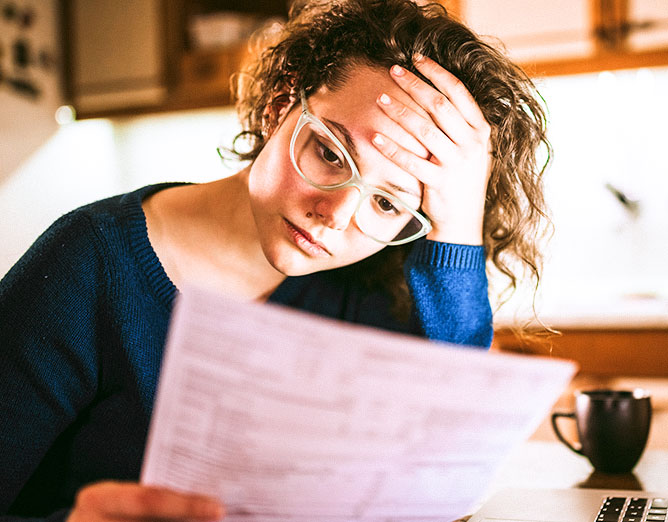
column 87, row 234
column 119, row 206
column 88, row 252
column 105, row 219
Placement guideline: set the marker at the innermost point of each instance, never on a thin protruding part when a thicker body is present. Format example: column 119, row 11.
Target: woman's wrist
column 447, row 255
column 457, row 233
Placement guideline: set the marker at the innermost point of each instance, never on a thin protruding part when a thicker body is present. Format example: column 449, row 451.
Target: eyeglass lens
column 321, row 162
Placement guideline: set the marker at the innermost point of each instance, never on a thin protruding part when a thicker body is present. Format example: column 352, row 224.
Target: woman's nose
column 335, row 209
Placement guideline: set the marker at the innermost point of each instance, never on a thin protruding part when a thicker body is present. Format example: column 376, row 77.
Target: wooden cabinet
column 646, row 26
column 598, row 351
column 575, row 36
column 114, row 54
column 130, row 56
column 134, row 56
column 535, row 31
column 199, row 73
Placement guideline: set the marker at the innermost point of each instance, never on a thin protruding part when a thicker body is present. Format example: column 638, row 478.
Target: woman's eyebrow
column 399, row 188
column 347, row 137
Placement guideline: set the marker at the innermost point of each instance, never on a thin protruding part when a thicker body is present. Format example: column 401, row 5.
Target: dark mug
column 612, row 425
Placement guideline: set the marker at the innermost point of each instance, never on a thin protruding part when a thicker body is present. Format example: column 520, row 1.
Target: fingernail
column 378, row 140
column 398, row 70
column 384, row 99
column 417, row 58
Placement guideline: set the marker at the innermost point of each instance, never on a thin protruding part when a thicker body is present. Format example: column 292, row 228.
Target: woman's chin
column 293, row 263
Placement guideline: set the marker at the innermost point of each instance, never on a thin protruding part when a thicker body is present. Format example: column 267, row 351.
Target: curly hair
column 320, row 43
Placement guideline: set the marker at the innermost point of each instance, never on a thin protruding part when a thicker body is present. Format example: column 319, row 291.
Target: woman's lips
column 305, row 241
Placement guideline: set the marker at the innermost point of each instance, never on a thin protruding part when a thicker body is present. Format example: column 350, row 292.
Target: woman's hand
column 128, row 501
column 453, row 129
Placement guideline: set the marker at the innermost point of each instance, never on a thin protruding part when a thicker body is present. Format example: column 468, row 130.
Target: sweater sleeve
column 448, row 286
column 48, row 360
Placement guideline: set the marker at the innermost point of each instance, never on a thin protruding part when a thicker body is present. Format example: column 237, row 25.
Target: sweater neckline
column 150, row 264
column 147, row 259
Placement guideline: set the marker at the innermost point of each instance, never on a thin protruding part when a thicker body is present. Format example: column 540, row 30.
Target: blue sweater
column 83, row 320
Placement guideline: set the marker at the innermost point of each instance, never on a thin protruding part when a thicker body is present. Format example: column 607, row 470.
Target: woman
column 392, row 152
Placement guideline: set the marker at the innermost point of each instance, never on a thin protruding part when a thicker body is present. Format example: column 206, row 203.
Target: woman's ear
column 276, row 111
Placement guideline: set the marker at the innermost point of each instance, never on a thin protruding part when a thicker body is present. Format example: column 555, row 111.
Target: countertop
column 639, row 311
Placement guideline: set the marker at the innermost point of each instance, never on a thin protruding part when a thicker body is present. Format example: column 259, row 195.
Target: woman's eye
column 329, row 155
column 385, row 206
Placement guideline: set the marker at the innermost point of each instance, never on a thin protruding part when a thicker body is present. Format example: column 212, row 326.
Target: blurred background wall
column 607, row 187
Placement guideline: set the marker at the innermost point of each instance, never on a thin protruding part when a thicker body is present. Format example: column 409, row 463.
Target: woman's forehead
column 354, row 105
column 361, row 88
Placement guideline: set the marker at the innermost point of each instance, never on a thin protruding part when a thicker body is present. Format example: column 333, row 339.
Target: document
column 285, row 416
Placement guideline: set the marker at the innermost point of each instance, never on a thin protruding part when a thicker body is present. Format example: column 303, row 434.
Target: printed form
column 285, row 416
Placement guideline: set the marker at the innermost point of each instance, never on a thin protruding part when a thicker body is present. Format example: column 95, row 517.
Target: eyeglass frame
column 355, row 180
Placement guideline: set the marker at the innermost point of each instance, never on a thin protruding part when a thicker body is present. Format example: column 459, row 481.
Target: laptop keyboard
column 630, row 509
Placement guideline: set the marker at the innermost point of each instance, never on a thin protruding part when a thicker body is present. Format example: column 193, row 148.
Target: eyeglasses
column 323, row 162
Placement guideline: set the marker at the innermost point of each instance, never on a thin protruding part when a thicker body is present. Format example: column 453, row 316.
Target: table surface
column 543, row 462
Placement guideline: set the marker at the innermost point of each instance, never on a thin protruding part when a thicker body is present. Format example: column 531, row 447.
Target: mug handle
column 571, row 415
